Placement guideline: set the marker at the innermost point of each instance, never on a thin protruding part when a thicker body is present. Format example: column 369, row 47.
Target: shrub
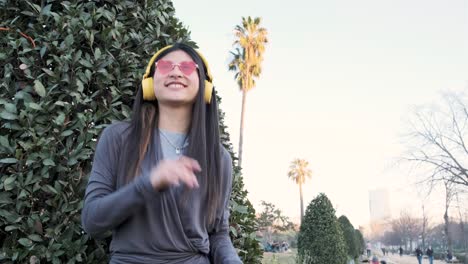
column 320, row 237
column 349, row 237
column 359, row 241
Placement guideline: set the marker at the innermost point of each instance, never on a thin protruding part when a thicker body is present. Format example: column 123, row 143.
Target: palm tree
column 249, row 47
column 298, row 172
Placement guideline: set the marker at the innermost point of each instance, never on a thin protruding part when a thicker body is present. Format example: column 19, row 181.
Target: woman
column 161, row 182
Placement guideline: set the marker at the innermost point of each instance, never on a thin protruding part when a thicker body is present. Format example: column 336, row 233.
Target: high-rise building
column 379, row 204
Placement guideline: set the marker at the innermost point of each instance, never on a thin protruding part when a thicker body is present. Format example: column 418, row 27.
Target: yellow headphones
column 147, row 82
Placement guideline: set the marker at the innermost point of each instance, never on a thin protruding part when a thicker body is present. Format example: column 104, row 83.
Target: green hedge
column 349, row 234
column 320, row 237
column 69, row 68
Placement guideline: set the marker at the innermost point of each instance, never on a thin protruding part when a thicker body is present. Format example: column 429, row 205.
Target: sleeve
column 221, row 248
column 105, row 207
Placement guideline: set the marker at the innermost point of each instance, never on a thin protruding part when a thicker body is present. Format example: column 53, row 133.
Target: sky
column 339, row 81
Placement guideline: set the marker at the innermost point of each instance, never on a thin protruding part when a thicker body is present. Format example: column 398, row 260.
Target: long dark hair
column 203, row 136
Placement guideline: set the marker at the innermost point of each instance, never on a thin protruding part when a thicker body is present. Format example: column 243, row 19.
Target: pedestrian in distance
column 430, row 254
column 419, row 254
column 368, row 249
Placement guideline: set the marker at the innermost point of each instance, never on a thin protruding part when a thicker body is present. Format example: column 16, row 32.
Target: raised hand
column 174, row 172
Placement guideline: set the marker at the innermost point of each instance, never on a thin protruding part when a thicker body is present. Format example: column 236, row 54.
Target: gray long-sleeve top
column 150, row 226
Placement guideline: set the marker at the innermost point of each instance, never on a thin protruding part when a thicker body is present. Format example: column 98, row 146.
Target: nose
column 175, row 72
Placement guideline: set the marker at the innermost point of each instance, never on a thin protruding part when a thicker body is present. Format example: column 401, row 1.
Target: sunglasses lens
column 164, row 66
column 187, row 67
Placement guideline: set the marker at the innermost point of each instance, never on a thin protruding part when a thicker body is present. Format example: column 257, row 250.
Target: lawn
column 283, row 258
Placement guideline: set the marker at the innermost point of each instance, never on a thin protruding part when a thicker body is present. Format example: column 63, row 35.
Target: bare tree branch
column 438, row 139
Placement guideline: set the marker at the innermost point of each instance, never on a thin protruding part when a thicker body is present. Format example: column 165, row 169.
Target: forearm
column 104, row 210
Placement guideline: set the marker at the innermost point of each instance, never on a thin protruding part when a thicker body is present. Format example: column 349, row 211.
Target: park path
column 405, row 259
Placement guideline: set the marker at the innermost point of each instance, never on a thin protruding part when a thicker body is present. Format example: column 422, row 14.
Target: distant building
column 379, row 205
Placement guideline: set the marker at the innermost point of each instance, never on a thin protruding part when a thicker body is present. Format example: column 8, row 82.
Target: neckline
column 168, row 132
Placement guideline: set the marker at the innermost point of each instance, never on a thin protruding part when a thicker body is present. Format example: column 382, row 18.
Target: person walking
column 400, row 250
column 368, row 249
column 419, row 254
column 449, row 256
column 430, row 254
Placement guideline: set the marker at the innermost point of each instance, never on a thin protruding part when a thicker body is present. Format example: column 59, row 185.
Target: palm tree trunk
column 241, row 133
column 302, row 202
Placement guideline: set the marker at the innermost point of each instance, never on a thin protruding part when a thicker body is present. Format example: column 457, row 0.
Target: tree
column 392, row 238
column 397, row 236
column 68, row 69
column 320, row 237
column 439, row 149
column 349, row 237
column 463, row 230
column 438, row 136
column 425, row 225
column 249, row 47
column 274, row 218
column 359, row 241
column 449, row 195
column 423, row 196
column 271, row 220
column 407, row 227
column 436, row 236
column 299, row 172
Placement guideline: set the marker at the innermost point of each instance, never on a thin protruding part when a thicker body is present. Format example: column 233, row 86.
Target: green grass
column 283, row 258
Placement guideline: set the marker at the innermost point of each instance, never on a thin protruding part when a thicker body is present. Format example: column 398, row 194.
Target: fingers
column 190, row 163
column 189, row 178
column 174, row 172
column 186, row 168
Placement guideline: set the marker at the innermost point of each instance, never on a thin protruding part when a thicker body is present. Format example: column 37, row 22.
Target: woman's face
column 176, row 80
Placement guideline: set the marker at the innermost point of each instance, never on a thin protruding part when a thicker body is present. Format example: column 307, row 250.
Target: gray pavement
column 405, row 259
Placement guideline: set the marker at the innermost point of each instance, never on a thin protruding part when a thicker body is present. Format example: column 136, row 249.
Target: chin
column 176, row 102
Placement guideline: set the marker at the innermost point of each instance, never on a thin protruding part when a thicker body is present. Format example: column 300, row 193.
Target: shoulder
column 225, row 156
column 226, row 167
column 112, row 136
column 117, row 127
column 115, row 131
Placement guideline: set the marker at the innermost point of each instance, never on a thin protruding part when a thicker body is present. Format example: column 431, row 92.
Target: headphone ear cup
column 148, row 89
column 208, row 91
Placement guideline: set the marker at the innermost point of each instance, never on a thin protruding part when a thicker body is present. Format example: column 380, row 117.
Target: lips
column 175, row 85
